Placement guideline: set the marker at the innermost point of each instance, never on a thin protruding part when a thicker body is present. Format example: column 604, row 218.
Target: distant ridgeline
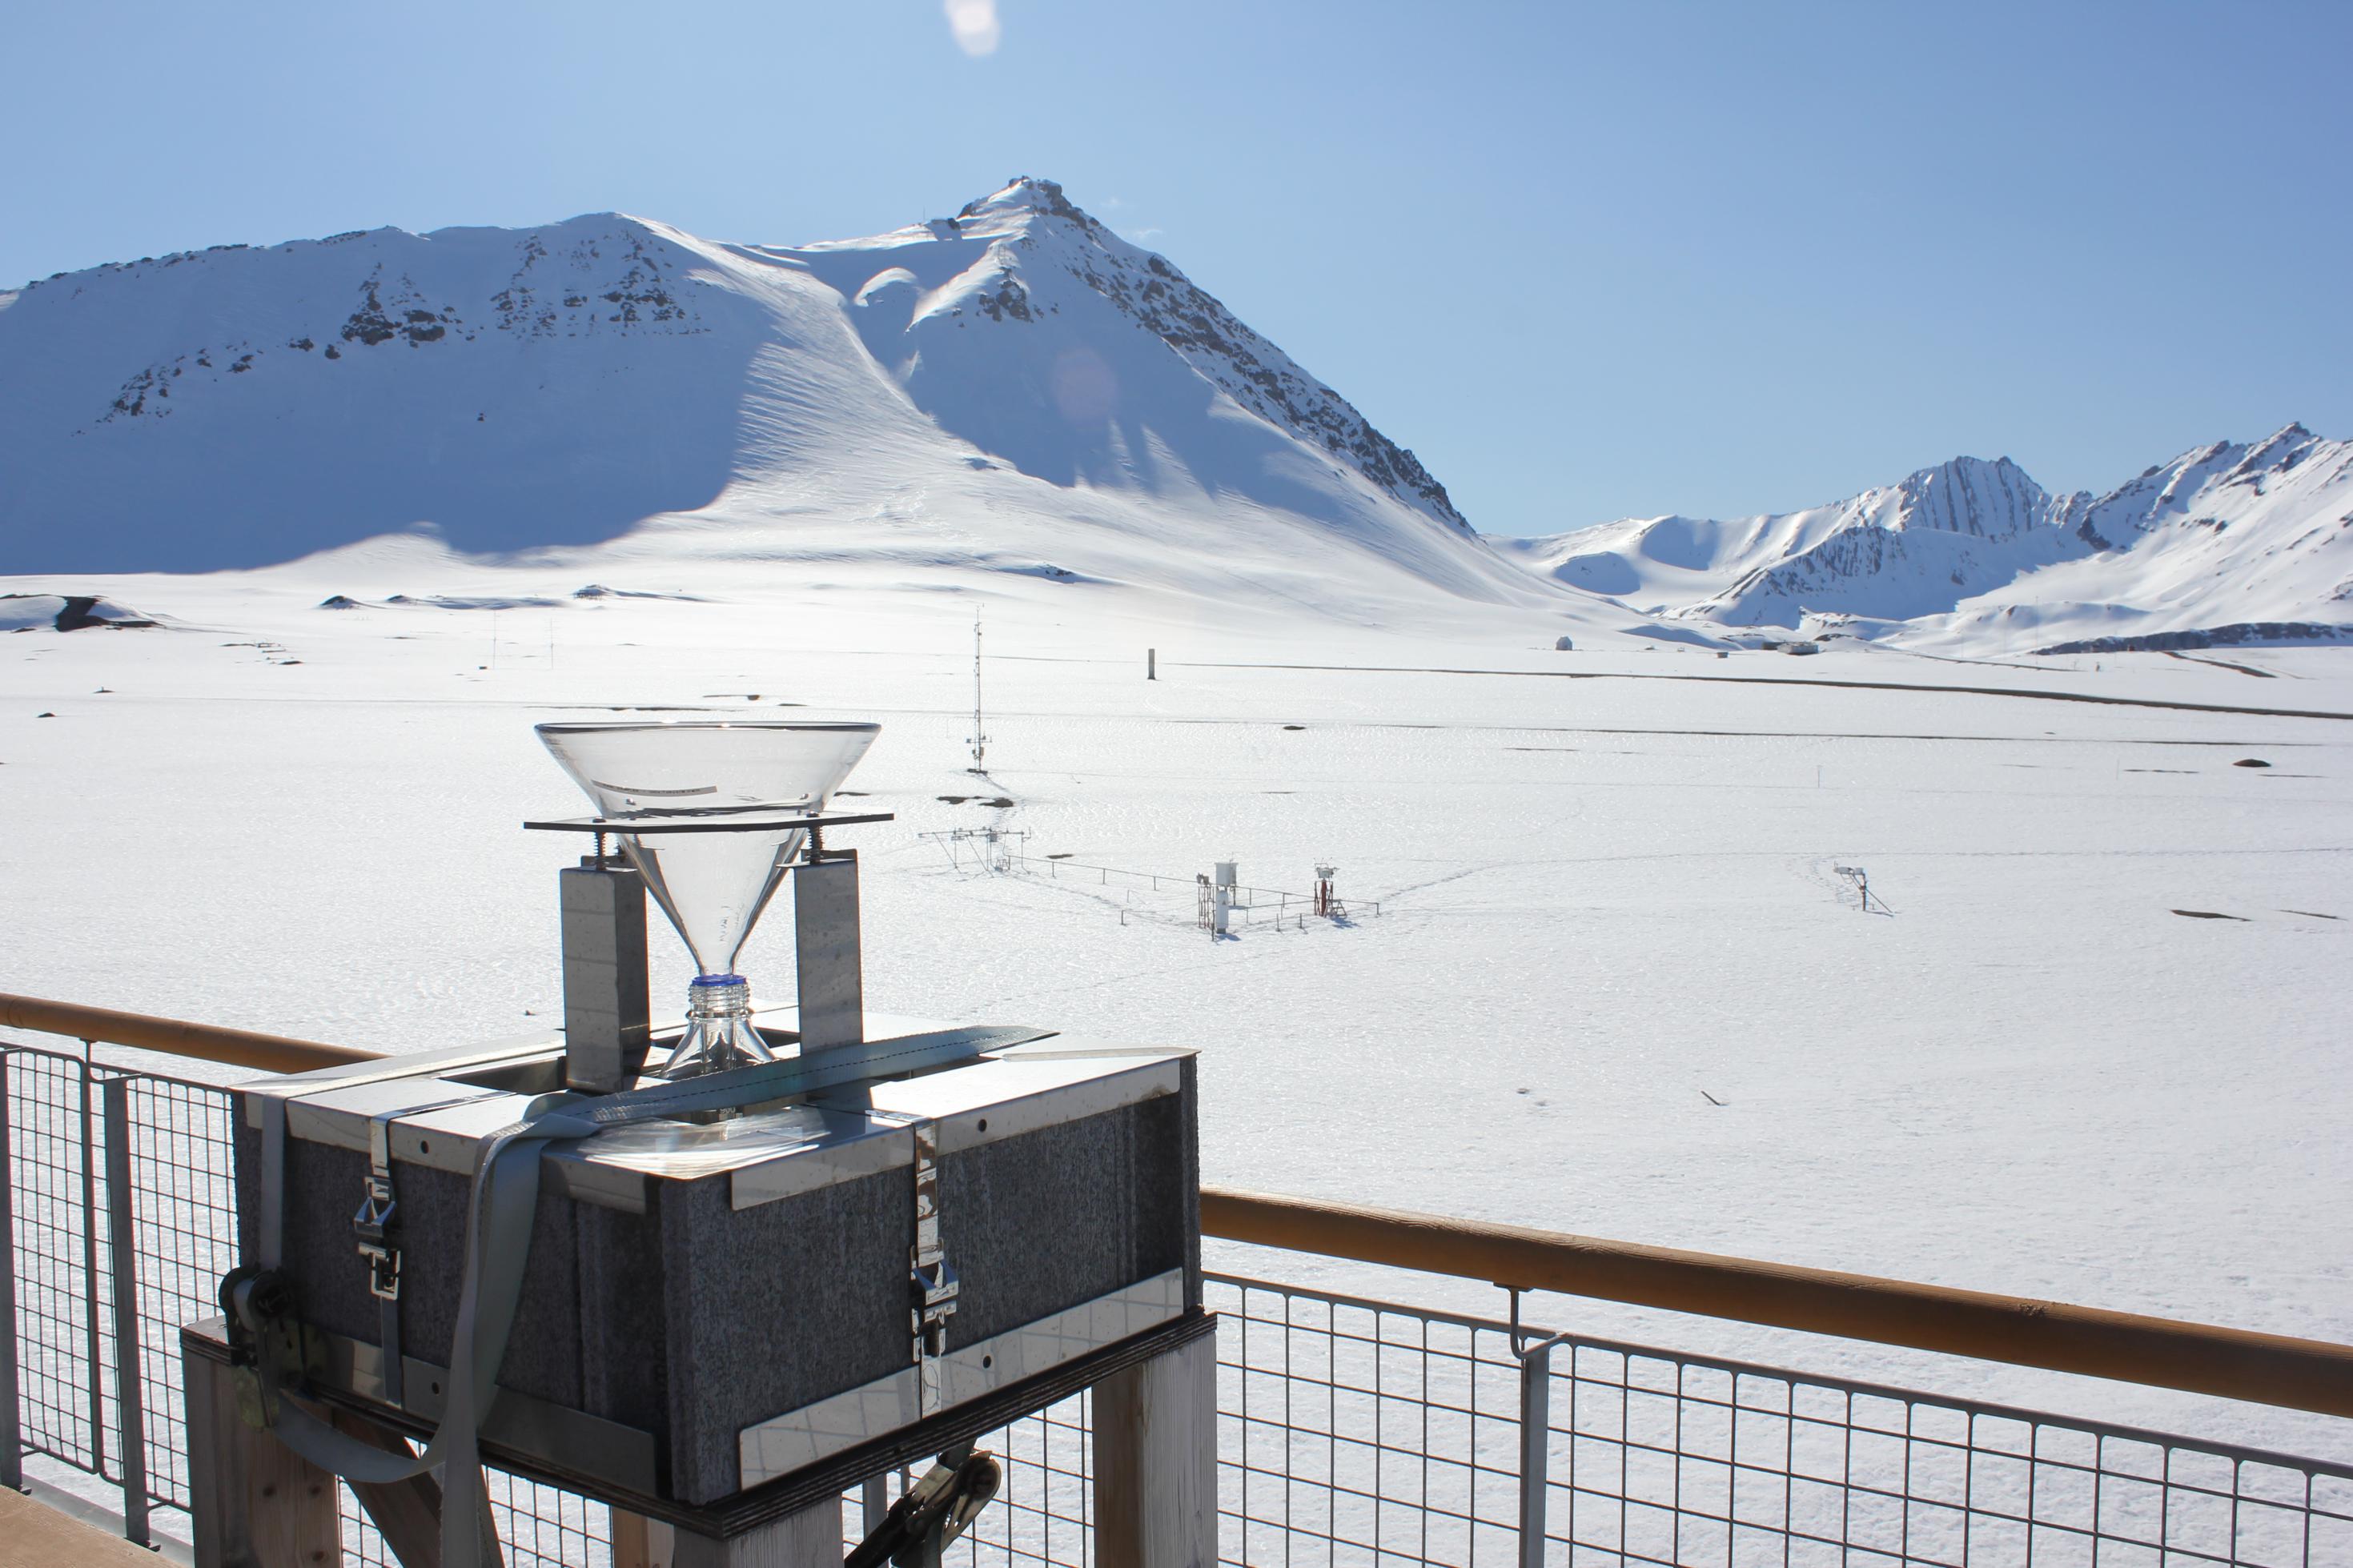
column 2229, row 544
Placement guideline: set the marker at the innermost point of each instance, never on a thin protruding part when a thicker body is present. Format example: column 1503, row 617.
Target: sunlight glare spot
column 974, row 22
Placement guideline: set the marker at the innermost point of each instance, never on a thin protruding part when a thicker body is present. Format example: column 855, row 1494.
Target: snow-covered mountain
column 1012, row 390
column 1014, row 387
column 2227, row 536
column 2226, row 543
column 1896, row 552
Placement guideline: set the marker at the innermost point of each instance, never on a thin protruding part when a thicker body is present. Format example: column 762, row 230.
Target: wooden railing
column 237, row 1047
column 2232, row 1363
column 2235, row 1363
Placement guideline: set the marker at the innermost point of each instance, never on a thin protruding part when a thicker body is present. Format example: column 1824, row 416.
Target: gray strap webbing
column 381, row 1198
column 498, row 1245
column 379, row 1207
column 271, row 1243
column 395, row 1379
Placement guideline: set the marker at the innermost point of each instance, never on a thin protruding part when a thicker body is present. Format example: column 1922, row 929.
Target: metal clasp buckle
column 372, row 1221
column 935, row 1287
column 375, row 1209
column 384, row 1270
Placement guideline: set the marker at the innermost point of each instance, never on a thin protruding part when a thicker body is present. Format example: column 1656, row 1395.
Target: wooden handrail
column 172, row 1037
column 2235, row 1363
column 2232, row 1363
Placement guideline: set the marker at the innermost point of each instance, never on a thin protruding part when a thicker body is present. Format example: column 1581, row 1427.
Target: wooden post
column 255, row 1502
column 810, row 1539
column 1156, row 1461
column 259, row 1504
column 642, row 1543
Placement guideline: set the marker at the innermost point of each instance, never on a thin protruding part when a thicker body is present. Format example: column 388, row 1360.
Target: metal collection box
column 708, row 1307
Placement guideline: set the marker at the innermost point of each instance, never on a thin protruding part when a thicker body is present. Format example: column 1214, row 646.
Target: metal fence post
column 12, row 1448
column 122, row 1241
column 92, row 1357
column 1535, row 1449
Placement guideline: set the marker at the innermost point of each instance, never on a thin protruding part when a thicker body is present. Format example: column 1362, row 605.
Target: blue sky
column 1587, row 261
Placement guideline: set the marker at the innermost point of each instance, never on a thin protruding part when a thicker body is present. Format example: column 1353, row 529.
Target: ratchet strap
column 498, row 1244
column 933, row 1513
column 378, row 1247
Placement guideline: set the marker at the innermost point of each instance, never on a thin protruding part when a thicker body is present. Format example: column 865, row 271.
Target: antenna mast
column 979, row 737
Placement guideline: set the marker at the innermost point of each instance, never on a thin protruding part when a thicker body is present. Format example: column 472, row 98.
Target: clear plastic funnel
column 736, row 781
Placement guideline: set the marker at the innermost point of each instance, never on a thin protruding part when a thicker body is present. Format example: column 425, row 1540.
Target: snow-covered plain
column 1603, row 900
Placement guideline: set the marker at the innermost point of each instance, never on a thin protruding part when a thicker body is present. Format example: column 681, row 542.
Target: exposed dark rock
column 1010, row 299
column 375, row 321
column 77, row 616
column 2235, row 636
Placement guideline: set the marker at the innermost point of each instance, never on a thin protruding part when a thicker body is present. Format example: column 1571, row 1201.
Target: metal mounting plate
column 718, row 822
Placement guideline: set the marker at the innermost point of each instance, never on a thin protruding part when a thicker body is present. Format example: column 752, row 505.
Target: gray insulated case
column 709, row 1307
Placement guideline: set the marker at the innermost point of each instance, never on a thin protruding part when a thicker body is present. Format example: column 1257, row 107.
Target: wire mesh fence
column 185, row 1211
column 1362, row 1432
column 61, row 1407
column 1355, row 1431
column 1661, row 1459
column 1349, row 1431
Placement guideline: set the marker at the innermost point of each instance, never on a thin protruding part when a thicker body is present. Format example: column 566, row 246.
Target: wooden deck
column 35, row 1535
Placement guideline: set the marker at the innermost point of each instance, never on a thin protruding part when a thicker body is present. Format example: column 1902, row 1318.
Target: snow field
column 2033, row 1078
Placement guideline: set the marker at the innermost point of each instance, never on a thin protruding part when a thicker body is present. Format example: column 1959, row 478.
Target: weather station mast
column 979, row 741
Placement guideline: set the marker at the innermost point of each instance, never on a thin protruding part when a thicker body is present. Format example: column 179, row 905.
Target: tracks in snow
column 1791, row 681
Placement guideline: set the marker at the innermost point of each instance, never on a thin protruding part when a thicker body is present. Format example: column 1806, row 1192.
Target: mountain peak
column 1026, row 193
column 1988, row 499
column 2283, row 448
column 1038, row 243
column 1010, row 212
column 570, row 382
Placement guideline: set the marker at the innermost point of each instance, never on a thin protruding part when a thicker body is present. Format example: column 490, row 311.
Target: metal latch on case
column 373, row 1220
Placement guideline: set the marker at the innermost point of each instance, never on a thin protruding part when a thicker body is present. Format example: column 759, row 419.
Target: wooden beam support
column 1156, row 1461
column 642, row 1543
column 810, row 1539
column 255, row 1502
